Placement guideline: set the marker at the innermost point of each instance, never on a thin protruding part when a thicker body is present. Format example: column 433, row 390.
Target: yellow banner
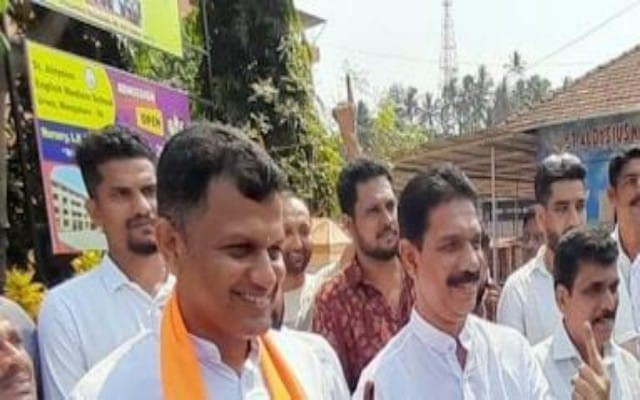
column 154, row 22
column 70, row 90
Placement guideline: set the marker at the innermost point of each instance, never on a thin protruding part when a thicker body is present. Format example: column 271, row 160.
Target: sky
column 398, row 41
column 71, row 176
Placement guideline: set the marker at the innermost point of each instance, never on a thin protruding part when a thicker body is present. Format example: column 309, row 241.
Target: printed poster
column 595, row 141
column 153, row 22
column 72, row 97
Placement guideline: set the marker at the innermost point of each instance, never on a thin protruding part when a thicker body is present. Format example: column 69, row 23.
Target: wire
column 420, row 60
column 585, row 34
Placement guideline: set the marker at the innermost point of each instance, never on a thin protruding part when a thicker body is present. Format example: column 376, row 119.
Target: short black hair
column 358, row 171
column 111, row 143
column 194, row 157
column 425, row 192
column 580, row 245
column 620, row 161
column 554, row 168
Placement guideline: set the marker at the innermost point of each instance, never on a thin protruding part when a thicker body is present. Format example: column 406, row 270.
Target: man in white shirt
column 299, row 287
column 221, row 230
column 445, row 352
column 81, row 321
column 527, row 302
column 586, row 283
column 624, row 194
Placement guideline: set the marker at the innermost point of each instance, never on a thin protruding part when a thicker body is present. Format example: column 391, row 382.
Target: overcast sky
column 399, row 40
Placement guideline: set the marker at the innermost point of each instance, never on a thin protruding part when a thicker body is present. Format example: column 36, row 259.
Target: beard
column 380, row 253
column 142, row 248
column 377, row 252
column 297, row 262
column 552, row 240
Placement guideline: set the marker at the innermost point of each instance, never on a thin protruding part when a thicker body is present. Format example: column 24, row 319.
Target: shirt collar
column 353, row 273
column 539, row 264
column 436, row 339
column 354, row 276
column 114, row 278
column 564, row 349
column 208, row 352
column 623, row 258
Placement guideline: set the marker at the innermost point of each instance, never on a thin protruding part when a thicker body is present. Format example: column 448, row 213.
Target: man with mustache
column 446, row 352
column 17, row 376
column 527, row 302
column 298, row 286
column 81, row 321
column 586, row 288
column 624, row 194
column 363, row 306
column 221, row 231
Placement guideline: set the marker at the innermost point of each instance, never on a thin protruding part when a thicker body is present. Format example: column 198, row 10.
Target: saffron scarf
column 180, row 369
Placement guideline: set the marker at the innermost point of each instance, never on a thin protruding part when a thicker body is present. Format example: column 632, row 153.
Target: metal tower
column 448, row 56
column 448, row 63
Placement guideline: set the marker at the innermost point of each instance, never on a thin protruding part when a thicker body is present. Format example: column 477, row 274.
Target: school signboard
column 72, row 98
column 153, row 22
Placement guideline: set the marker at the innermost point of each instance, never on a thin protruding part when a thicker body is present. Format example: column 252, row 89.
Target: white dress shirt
column 329, row 360
column 560, row 361
column 133, row 372
column 628, row 314
column 81, row 321
column 528, row 301
column 420, row 363
column 298, row 304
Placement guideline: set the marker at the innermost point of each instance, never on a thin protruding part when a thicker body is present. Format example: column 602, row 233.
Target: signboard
column 595, row 141
column 153, row 22
column 73, row 96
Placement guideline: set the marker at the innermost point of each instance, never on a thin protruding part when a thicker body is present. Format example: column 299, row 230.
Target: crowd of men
column 204, row 291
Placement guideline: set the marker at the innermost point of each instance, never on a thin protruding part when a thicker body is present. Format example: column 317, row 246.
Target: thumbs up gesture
column 592, row 381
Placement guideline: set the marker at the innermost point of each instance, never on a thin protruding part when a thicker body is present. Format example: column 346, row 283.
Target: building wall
column 70, row 211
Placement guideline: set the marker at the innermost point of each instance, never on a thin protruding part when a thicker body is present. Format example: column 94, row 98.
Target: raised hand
column 592, row 381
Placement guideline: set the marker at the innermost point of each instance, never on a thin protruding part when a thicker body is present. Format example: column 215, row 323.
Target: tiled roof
column 612, row 88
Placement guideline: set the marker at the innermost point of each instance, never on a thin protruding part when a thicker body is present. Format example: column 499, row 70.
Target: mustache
column 139, row 220
column 388, row 229
column 15, row 371
column 606, row 316
column 462, row 278
column 635, row 201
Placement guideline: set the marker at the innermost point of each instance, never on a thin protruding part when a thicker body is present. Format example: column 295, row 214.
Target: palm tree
column 448, row 109
column 429, row 111
column 482, row 99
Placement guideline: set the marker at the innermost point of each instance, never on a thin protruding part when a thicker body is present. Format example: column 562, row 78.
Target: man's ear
column 562, row 297
column 92, row 207
column 171, row 243
column 348, row 224
column 409, row 256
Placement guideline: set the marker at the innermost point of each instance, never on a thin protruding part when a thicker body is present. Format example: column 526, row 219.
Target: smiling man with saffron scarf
column 221, row 230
